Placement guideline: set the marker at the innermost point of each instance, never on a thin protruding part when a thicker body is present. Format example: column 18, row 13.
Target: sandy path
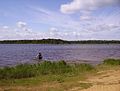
column 104, row 88
column 104, row 81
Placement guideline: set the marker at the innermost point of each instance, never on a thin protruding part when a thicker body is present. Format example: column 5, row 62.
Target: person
column 39, row 56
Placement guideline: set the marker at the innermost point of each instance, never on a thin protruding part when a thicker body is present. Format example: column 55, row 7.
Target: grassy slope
column 59, row 81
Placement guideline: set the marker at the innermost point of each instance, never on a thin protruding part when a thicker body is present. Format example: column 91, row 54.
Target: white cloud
column 84, row 6
column 85, row 17
column 76, row 5
column 5, row 27
column 65, row 26
column 54, row 33
column 21, row 24
column 53, row 29
column 93, row 31
column 19, row 32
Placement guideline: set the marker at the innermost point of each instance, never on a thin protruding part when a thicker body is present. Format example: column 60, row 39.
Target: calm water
column 11, row 54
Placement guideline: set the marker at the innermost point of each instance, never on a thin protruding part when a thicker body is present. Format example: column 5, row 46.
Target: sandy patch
column 104, row 88
column 106, row 81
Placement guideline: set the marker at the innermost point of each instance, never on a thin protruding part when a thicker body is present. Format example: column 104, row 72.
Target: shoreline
column 35, row 61
column 62, row 76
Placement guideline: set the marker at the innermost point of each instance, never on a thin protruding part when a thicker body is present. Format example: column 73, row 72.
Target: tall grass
column 20, row 71
column 111, row 62
column 44, row 68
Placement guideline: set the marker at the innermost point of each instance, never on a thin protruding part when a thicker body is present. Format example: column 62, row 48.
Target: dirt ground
column 103, row 81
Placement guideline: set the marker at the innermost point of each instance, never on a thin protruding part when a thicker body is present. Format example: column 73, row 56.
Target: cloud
column 95, row 31
column 65, row 26
column 53, row 29
column 85, row 17
column 19, row 32
column 5, row 27
column 53, row 18
column 84, row 6
column 54, row 33
column 21, row 24
column 77, row 5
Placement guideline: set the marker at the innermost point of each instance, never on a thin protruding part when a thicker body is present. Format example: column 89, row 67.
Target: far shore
column 59, row 41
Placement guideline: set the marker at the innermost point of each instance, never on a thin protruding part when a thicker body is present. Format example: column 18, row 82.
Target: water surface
column 12, row 54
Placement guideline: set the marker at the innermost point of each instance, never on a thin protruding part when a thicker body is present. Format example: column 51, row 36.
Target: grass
column 111, row 62
column 44, row 68
column 58, row 82
column 51, row 76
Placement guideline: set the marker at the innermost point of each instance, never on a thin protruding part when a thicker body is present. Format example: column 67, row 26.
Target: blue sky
column 63, row 19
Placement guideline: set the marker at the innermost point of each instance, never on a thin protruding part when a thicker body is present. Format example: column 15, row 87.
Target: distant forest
column 59, row 41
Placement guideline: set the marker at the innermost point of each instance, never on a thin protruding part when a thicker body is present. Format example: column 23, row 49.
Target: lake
column 12, row 54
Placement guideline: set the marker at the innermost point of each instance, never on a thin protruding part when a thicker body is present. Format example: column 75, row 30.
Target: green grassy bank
column 51, row 76
column 44, row 68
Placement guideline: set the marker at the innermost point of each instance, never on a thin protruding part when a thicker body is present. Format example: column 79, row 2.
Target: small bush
column 111, row 62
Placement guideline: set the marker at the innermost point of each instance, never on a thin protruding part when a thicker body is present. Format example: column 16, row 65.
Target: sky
column 60, row 19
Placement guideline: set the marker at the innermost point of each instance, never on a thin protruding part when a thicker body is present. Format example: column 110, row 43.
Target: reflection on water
column 11, row 54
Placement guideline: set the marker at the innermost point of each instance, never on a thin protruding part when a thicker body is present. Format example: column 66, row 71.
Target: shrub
column 111, row 62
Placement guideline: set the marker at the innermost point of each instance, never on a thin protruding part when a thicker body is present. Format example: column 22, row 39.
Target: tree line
column 59, row 41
